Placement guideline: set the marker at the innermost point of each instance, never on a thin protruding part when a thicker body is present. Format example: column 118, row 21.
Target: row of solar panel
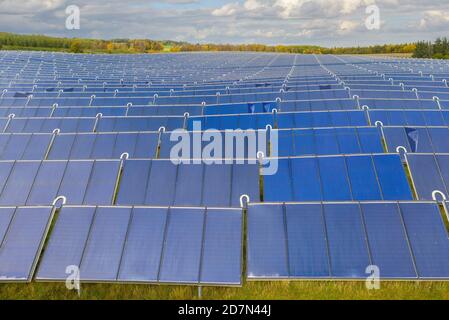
column 429, row 173
column 288, row 105
column 124, row 244
column 149, row 145
column 41, row 90
column 341, row 240
column 49, row 89
column 198, row 100
column 405, row 240
column 160, row 182
column 295, row 142
column 285, row 92
column 338, row 178
column 138, row 182
column 259, row 107
column 96, row 124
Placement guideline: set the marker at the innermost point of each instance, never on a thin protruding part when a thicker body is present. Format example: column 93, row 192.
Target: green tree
column 76, row 47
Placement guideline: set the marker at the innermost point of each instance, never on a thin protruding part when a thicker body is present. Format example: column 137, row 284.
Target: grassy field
column 255, row 290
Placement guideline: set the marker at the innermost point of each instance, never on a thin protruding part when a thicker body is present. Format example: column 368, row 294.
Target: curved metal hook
column 59, row 198
column 438, row 192
column 399, row 148
column 379, row 123
column 124, row 156
column 244, row 201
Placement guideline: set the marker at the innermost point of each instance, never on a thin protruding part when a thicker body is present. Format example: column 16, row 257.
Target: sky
column 313, row 22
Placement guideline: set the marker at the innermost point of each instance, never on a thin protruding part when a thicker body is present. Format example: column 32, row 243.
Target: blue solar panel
column 19, row 183
column 221, row 259
column 161, row 183
column 66, row 245
column 348, row 249
column 426, row 175
column 334, row 179
column 388, row 241
column 102, row 183
column 392, row 179
column 46, row 183
column 267, row 247
column 22, row 243
column 307, row 243
column 428, row 239
column 143, row 249
column 183, row 243
column 134, row 181
column 363, row 179
column 308, row 187
column 74, row 184
column 101, row 256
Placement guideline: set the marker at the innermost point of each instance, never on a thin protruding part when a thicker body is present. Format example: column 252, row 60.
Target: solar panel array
column 362, row 145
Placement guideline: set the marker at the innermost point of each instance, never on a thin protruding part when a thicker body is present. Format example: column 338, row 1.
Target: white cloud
column 435, row 19
column 322, row 22
column 348, row 26
column 27, row 6
column 226, row 10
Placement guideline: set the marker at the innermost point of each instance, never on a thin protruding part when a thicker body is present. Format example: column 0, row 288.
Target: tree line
column 9, row 41
column 436, row 50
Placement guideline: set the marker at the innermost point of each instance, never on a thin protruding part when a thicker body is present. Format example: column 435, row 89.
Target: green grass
column 253, row 290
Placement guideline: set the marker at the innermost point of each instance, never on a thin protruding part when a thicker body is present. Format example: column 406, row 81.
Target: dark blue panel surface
column 364, row 184
column 102, row 182
column 306, row 179
column 20, row 247
column 134, row 182
column 370, row 140
column 348, row 140
column 428, row 239
column 182, row 252
column 347, row 245
column 326, row 142
column 217, row 185
column 62, row 146
column 161, row 184
column 66, row 245
column 307, row 245
column 103, row 251
column 142, row 252
column 74, row 183
column 392, row 179
column 46, row 184
column 267, row 247
column 278, row 187
column 37, row 147
column 245, row 180
column 20, row 181
column 334, row 179
column 426, row 175
column 222, row 253
column 189, row 185
column 6, row 215
column 387, row 239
